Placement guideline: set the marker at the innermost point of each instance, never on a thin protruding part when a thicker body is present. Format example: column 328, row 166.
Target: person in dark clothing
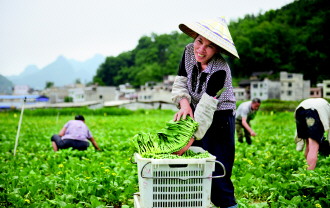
column 203, row 73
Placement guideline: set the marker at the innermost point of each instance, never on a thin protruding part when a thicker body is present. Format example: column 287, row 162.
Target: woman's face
column 204, row 49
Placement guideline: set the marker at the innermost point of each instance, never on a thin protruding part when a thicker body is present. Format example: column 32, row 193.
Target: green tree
column 294, row 38
column 68, row 99
column 49, row 85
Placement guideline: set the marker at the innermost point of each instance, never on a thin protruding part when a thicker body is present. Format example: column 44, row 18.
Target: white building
column 56, row 94
column 127, row 92
column 265, row 90
column 93, row 93
column 157, row 92
column 240, row 93
column 21, row 90
column 152, row 91
column 317, row 92
column 294, row 87
column 326, row 89
column 77, row 94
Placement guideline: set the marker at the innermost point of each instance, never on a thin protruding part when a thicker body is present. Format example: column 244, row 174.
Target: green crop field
column 268, row 173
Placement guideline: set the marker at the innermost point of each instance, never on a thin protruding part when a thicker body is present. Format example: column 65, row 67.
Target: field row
column 268, row 173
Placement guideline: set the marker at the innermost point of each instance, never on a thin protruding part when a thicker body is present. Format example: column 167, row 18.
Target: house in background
column 102, row 93
column 77, row 94
column 93, row 93
column 240, row 93
column 245, row 84
column 265, row 89
column 293, row 86
column 56, row 94
column 326, row 89
column 127, row 92
column 22, row 90
column 157, row 92
column 157, row 95
column 316, row 92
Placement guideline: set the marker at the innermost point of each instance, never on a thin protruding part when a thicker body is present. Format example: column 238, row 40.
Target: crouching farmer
column 244, row 114
column 74, row 134
column 312, row 120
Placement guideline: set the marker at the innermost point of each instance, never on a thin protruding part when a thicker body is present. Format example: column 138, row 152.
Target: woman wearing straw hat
column 203, row 74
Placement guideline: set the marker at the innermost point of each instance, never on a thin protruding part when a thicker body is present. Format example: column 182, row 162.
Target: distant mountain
column 62, row 72
column 31, row 69
column 87, row 69
column 6, row 86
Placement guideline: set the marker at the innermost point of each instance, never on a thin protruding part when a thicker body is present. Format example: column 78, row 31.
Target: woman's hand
column 185, row 110
column 181, row 151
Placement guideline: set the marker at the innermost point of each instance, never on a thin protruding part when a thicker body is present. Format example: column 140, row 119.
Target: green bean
column 172, row 138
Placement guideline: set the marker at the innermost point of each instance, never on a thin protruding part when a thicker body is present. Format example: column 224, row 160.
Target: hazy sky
column 38, row 31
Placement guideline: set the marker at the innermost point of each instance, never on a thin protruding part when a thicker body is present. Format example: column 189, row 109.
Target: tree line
column 294, row 38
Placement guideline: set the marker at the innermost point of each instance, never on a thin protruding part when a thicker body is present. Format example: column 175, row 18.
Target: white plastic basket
column 136, row 200
column 176, row 183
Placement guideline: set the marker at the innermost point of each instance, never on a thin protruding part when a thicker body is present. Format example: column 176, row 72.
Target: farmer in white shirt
column 245, row 113
column 312, row 120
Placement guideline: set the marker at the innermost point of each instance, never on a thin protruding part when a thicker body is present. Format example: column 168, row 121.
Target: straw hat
column 215, row 30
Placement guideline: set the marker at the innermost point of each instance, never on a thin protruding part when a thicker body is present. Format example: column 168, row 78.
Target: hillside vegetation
column 294, row 39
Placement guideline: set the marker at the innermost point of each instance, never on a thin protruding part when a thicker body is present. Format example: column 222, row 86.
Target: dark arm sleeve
column 216, row 83
column 182, row 66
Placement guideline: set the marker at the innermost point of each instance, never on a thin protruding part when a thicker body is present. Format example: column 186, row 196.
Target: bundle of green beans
column 170, row 139
column 189, row 154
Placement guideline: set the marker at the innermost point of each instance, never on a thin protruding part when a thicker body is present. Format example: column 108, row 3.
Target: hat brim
column 227, row 47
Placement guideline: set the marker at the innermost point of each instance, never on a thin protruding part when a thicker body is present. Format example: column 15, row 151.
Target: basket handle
column 187, row 178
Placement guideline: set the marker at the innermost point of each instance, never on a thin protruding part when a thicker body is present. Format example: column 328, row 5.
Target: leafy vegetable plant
column 170, row 139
